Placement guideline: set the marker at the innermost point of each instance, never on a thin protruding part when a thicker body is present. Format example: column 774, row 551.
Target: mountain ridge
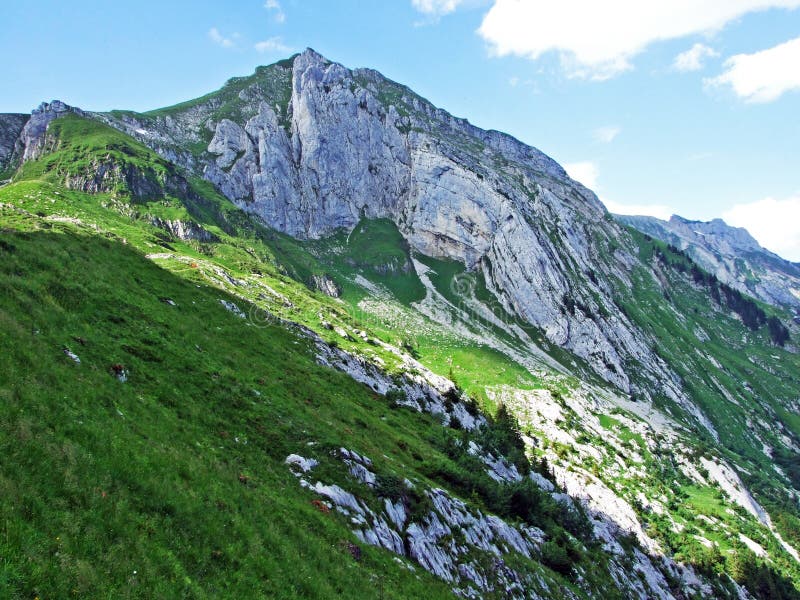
column 730, row 253
column 283, row 186
column 443, row 269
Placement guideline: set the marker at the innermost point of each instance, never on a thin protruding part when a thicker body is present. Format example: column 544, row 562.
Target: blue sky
column 597, row 85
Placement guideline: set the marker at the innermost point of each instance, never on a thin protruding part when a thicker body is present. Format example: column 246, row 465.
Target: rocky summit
column 731, row 254
column 310, row 335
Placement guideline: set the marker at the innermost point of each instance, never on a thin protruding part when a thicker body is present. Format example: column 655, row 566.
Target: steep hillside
column 731, row 254
column 591, row 411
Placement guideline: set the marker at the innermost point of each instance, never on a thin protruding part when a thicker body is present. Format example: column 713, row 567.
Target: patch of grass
column 608, row 422
column 375, row 250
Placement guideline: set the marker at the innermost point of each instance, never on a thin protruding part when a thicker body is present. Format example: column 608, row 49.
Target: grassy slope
column 376, row 250
column 677, row 314
column 82, row 142
column 134, row 488
column 746, row 398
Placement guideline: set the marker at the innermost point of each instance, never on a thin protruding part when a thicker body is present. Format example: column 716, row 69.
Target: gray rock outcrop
column 11, row 126
column 33, row 137
column 184, row 230
column 478, row 554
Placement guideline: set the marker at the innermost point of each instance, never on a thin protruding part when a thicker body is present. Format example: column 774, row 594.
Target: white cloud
column 597, row 40
column 436, row 8
column 774, row 223
column 763, row 76
column 606, row 134
column 659, row 211
column 275, row 7
column 273, row 44
column 693, row 58
column 513, row 81
column 585, row 172
column 219, row 39
column 588, row 173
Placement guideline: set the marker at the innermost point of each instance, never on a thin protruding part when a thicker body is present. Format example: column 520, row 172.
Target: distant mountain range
column 731, row 254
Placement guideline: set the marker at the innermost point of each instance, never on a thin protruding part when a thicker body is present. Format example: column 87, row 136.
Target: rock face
column 326, row 285
column 11, row 126
column 33, row 137
column 352, row 144
column 478, row 554
column 184, row 230
column 731, row 254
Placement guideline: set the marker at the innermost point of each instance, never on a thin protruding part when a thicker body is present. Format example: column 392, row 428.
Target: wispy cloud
column 606, row 135
column 694, row 58
column 774, row 223
column 436, row 8
column 273, row 44
column 593, row 39
column 220, row 40
column 528, row 85
column 276, row 9
column 762, row 76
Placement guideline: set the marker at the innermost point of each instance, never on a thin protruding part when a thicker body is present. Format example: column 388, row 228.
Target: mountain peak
column 33, row 134
column 54, row 106
column 731, row 253
column 737, row 237
column 310, row 54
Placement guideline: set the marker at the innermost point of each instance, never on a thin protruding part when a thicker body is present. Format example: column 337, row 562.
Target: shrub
column 555, row 556
column 391, row 487
column 778, row 332
column 395, row 397
column 502, row 436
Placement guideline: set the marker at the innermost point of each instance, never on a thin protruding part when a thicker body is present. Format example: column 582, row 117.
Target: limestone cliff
column 311, row 147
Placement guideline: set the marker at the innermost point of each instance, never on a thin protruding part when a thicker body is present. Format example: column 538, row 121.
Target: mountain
column 731, row 254
column 310, row 335
column 504, row 210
